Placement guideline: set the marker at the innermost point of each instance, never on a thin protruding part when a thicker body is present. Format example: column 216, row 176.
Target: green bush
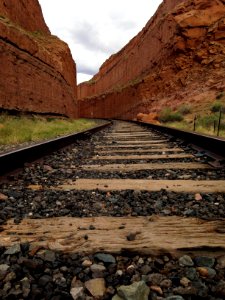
column 208, row 121
column 167, row 115
column 217, row 106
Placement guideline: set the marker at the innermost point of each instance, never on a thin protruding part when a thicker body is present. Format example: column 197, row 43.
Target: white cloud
column 96, row 29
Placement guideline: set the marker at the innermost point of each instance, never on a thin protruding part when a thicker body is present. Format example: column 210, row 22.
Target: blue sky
column 96, row 29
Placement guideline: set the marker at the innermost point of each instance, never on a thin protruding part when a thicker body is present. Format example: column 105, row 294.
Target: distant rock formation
column 37, row 71
column 178, row 57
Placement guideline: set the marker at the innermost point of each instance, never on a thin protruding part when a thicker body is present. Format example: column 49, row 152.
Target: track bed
column 127, row 206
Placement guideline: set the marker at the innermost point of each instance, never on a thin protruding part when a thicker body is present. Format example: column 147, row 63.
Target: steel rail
column 209, row 145
column 16, row 159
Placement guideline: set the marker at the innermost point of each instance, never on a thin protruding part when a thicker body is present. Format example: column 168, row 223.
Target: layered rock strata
column 178, row 57
column 38, row 73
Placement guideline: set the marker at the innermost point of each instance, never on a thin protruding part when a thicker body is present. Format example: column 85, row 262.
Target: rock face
column 37, row 70
column 178, row 57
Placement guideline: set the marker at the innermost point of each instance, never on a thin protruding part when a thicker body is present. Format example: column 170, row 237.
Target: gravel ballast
column 29, row 272
column 33, row 273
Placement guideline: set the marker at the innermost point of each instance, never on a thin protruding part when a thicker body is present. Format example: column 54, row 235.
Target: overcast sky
column 95, row 29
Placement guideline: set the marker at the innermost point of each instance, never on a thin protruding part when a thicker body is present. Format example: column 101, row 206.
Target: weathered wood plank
column 150, row 166
column 180, row 186
column 136, row 146
column 140, row 157
column 131, row 138
column 154, row 235
column 135, row 136
column 149, row 142
column 139, row 150
column 130, row 134
column 129, row 131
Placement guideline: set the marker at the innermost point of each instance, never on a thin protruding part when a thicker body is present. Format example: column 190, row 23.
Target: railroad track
column 127, row 206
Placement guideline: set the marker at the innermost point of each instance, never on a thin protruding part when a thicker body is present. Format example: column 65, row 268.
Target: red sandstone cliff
column 178, row 57
column 37, row 73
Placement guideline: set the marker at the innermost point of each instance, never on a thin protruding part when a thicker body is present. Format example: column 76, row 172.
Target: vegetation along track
column 128, row 213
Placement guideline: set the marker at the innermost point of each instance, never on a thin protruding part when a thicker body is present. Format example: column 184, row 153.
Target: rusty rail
column 211, row 146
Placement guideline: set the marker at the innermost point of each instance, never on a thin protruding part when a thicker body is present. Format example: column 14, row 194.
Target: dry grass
column 201, row 127
column 207, row 117
column 15, row 130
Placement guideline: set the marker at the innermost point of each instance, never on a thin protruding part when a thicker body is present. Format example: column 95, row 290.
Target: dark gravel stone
column 191, row 274
column 46, row 255
column 32, row 264
column 186, row 261
column 204, row 261
column 106, row 258
column 131, row 237
column 44, row 280
column 219, row 289
column 202, row 289
column 13, row 250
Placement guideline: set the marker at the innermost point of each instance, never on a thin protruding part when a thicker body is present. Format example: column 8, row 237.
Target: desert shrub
column 184, row 109
column 208, row 121
column 217, row 106
column 167, row 115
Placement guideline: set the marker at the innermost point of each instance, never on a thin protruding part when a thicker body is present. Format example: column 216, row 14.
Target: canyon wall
column 38, row 73
column 178, row 57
